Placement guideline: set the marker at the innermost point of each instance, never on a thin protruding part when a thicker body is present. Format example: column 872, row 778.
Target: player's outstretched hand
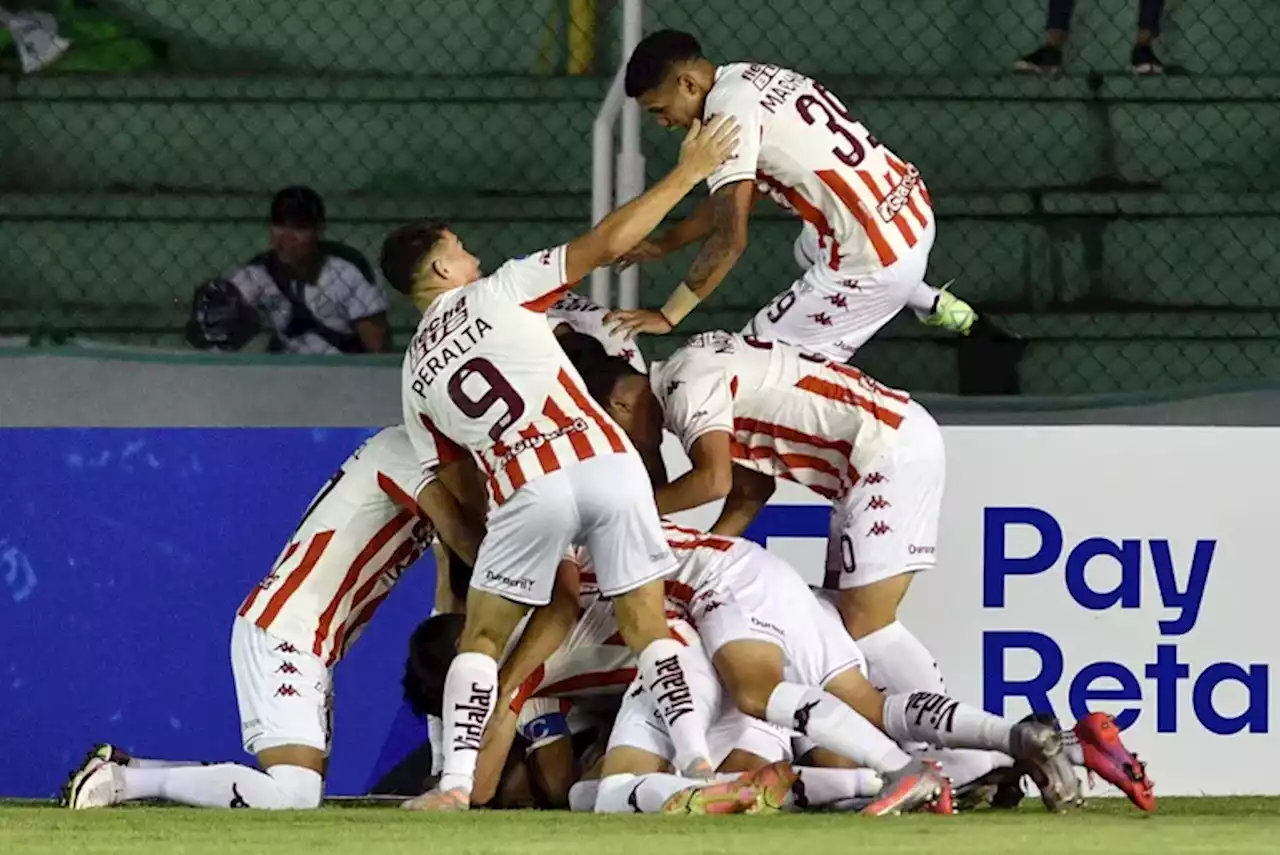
column 707, row 146
column 635, row 321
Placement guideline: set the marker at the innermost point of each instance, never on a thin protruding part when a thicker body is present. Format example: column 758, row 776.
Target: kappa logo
column 873, row 478
column 822, row 319
column 287, row 668
column 840, row 301
column 802, row 718
column 878, row 528
column 286, row 691
column 877, row 503
column 285, row 647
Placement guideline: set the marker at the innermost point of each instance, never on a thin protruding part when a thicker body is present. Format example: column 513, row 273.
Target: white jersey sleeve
column 400, row 470
column 696, row 400
column 735, row 97
column 535, row 281
column 585, row 316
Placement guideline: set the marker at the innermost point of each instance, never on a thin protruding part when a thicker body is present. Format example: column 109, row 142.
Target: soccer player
column 359, row 534
column 749, row 411
column 801, row 146
column 484, row 373
column 785, row 660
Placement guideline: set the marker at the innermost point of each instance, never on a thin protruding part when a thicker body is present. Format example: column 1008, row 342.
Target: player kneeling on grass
column 360, row 533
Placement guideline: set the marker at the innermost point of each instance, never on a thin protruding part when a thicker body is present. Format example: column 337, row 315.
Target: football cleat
column 774, row 782
column 108, row 753
column 1107, row 756
column 915, row 786
column 1037, row 748
column 736, row 796
column 95, row 784
column 950, row 312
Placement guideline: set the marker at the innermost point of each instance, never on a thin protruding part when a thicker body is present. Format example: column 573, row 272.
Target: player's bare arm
column 458, row 530
column 750, row 492
column 710, row 478
column 705, row 147
column 728, row 212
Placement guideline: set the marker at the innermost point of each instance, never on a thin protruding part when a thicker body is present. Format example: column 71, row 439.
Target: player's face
column 677, row 102
column 457, row 266
column 294, row 246
column 633, row 406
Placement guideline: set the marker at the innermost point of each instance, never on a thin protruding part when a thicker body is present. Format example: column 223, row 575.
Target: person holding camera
column 315, row 296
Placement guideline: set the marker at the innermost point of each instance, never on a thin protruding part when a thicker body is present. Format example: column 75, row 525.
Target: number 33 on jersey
column 485, row 373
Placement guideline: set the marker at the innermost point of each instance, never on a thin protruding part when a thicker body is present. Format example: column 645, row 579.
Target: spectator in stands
column 316, row 296
column 1142, row 60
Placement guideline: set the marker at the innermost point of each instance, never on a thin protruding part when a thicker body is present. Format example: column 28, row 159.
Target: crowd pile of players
column 587, row 652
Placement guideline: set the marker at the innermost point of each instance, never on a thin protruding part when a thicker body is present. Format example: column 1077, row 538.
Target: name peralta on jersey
column 356, row 538
column 587, row 317
column 485, row 373
column 791, row 414
column 806, row 151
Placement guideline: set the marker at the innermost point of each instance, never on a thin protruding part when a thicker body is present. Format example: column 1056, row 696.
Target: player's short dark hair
column 654, row 56
column 600, row 371
column 431, row 650
column 404, row 249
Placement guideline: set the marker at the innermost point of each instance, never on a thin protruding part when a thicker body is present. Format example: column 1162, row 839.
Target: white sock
column 582, row 796
column 435, row 737
column 818, row 787
column 897, row 661
column 663, row 668
column 226, row 785
column 964, row 766
column 147, row 763
column 834, row 726
column 469, row 690
column 1071, row 745
column 639, row 793
column 943, row 721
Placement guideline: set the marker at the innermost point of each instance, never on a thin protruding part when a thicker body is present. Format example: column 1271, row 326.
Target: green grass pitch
column 1208, row 825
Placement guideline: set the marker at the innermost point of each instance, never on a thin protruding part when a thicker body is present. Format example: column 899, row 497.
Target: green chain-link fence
column 1127, row 228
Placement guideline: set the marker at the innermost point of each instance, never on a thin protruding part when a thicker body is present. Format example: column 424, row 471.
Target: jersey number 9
column 496, row 389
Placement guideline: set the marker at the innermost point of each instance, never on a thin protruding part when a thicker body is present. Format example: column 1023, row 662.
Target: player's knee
column 865, row 610
column 299, row 788
column 753, row 698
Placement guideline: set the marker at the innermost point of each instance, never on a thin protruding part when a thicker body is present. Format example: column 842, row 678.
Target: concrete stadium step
column 527, row 135
column 880, row 37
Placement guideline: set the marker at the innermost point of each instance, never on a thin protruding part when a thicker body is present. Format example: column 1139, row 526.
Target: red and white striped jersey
column 792, row 414
column 356, row 538
column 593, row 660
column 587, row 317
column 704, row 561
column 485, row 373
column 806, row 151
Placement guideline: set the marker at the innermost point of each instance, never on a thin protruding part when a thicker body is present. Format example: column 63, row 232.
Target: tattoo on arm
column 719, row 247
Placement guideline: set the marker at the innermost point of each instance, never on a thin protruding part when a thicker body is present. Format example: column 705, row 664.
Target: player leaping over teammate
column 802, row 148
column 485, row 373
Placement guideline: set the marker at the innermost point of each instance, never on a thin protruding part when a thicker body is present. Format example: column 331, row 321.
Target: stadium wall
column 1108, row 566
